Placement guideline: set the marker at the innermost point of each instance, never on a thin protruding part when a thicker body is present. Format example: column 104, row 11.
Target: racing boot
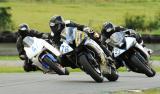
column 30, row 67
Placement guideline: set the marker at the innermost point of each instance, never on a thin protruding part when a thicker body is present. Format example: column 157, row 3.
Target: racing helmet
column 56, row 24
column 23, row 29
column 108, row 27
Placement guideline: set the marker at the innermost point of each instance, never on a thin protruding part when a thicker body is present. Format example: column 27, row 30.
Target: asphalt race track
column 75, row 83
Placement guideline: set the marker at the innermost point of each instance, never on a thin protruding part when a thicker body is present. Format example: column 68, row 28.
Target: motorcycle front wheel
column 113, row 76
column 90, row 69
column 142, row 64
column 55, row 66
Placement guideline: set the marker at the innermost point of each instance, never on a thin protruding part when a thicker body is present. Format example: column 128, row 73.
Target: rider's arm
column 20, row 48
column 38, row 34
column 125, row 30
column 119, row 28
column 103, row 38
column 79, row 27
column 89, row 31
column 73, row 24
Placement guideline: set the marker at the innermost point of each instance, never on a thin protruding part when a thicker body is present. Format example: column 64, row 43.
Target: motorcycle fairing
column 130, row 41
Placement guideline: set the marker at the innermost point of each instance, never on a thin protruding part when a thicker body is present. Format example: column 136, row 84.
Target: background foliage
column 6, row 24
column 137, row 14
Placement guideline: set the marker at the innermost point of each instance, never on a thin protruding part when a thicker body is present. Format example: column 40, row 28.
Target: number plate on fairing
column 65, row 48
column 118, row 51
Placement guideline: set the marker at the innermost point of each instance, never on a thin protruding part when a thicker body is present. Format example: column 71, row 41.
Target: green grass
column 122, row 69
column 8, row 69
column 12, row 69
column 155, row 58
column 75, row 70
column 94, row 13
column 9, row 58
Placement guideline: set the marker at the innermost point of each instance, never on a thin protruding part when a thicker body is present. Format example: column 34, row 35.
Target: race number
column 65, row 48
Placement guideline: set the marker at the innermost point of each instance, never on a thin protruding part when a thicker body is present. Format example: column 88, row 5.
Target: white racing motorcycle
column 128, row 52
column 43, row 55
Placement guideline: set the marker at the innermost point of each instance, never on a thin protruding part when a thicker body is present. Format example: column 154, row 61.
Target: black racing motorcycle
column 89, row 57
column 128, row 52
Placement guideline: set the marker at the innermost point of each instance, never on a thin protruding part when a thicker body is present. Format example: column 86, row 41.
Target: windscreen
column 116, row 39
column 28, row 41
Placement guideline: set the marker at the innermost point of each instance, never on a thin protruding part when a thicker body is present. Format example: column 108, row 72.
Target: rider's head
column 23, row 29
column 108, row 27
column 56, row 24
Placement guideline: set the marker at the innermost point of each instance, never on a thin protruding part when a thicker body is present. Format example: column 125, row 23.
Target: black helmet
column 23, row 29
column 108, row 26
column 56, row 24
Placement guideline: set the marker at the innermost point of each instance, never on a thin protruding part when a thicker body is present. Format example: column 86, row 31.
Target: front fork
column 91, row 58
column 102, row 64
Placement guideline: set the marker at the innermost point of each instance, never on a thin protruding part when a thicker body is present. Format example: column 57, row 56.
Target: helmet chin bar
column 23, row 29
column 52, row 24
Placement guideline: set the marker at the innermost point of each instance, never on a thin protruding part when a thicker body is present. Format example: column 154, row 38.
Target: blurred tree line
column 140, row 22
column 6, row 24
